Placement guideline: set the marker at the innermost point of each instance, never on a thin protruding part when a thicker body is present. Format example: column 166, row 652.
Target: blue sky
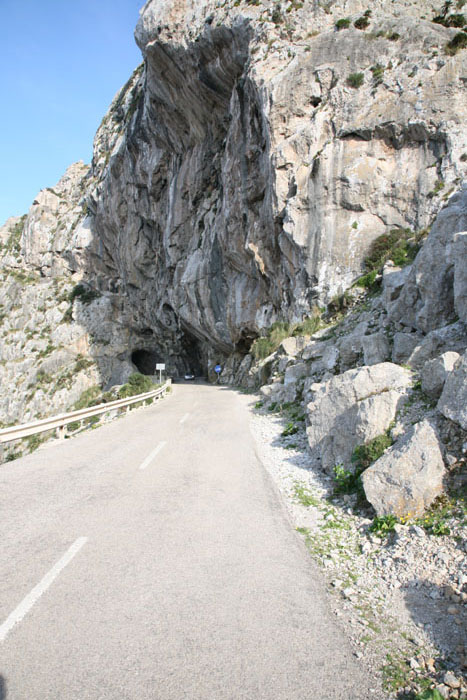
column 61, row 63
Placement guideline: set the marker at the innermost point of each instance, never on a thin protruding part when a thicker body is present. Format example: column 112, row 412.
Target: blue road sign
column 218, row 369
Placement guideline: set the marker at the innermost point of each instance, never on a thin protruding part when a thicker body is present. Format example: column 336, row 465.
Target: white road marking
column 27, row 603
column 182, row 420
column 151, row 456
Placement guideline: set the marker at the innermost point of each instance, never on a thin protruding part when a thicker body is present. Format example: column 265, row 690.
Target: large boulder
column 453, row 400
column 376, row 348
column 352, row 408
column 322, row 357
column 403, row 346
column 435, row 372
column 393, row 282
column 408, row 476
column 351, row 348
column 435, row 291
column 451, row 338
column 294, row 373
column 292, row 346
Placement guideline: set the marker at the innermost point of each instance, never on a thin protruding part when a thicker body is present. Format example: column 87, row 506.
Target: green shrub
column 290, row 429
column 364, row 455
column 384, row 524
column 42, row 378
column 82, row 363
column 11, row 456
column 378, row 73
column 84, row 294
column 393, row 36
column 343, row 23
column 340, row 302
column 345, row 480
column 276, row 15
column 435, row 520
column 279, row 331
column 392, row 246
column 89, row 397
column 456, row 20
column 137, row 384
column 355, row 80
column 369, row 281
column 429, row 694
column 458, row 42
column 362, row 22
column 439, row 185
column 35, row 441
column 348, row 481
column 68, row 315
column 308, row 326
column 263, row 347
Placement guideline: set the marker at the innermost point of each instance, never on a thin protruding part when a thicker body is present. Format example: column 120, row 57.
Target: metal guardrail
column 59, row 423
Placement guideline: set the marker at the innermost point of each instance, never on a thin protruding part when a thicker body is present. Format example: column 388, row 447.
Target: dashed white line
column 182, row 420
column 27, row 603
column 151, row 456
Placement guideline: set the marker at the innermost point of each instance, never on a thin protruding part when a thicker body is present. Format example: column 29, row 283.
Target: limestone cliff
column 240, row 177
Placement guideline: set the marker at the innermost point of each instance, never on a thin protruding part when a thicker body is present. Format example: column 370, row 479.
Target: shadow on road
column 3, row 692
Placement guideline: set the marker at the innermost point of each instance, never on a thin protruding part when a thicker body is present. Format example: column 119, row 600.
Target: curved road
column 152, row 559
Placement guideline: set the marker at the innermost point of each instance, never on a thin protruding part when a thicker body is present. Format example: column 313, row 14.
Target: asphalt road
column 152, row 558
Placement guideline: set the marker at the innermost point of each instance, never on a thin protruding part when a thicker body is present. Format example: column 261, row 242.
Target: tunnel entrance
column 191, row 353
column 145, row 361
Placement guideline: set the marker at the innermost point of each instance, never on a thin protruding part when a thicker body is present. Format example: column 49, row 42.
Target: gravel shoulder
column 401, row 597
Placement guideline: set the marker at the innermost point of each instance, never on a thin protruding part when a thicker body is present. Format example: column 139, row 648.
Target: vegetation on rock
column 137, row 384
column 355, row 80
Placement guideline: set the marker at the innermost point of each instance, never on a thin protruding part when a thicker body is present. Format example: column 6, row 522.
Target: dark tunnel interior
column 192, row 355
column 146, row 361
column 189, row 359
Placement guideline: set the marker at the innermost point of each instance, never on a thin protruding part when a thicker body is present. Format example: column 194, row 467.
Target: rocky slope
column 372, row 375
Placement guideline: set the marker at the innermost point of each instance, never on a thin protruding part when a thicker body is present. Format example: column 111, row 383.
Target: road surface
column 152, row 559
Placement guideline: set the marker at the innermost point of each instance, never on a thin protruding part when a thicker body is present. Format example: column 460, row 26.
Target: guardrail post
column 60, row 432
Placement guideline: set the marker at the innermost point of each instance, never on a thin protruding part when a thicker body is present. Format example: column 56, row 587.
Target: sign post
column 217, row 370
column 160, row 367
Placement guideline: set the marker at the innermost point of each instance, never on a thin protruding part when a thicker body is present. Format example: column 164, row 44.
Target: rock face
column 409, row 475
column 453, row 400
column 352, row 408
column 436, row 287
column 435, row 372
column 376, row 348
column 238, row 177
